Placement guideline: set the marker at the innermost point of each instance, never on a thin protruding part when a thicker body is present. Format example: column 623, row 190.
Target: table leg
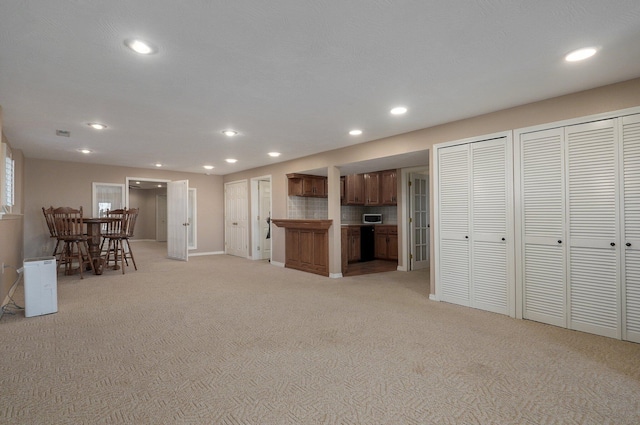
column 94, row 239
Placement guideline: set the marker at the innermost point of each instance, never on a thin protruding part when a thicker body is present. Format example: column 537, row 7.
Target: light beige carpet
column 224, row 340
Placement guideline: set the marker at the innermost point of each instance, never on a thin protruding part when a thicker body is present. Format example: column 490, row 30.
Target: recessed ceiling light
column 208, row 167
column 229, row 133
column 157, row 164
column 159, row 185
column 580, row 54
column 137, row 182
column 97, row 125
column 355, row 132
column 85, row 150
column 398, row 110
column 140, row 46
column 231, row 160
column 274, row 154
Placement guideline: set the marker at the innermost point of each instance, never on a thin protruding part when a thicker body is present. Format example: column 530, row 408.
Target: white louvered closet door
column 490, row 197
column 591, row 159
column 542, row 216
column 453, row 203
column 631, row 199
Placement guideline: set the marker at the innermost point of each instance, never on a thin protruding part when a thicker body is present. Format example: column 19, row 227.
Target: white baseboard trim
column 401, row 268
column 256, row 258
column 277, row 263
column 433, row 297
column 335, row 275
column 200, row 254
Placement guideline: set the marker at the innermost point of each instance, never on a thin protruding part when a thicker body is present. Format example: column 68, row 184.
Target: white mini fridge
column 40, row 286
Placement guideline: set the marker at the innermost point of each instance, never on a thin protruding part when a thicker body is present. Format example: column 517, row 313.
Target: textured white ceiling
column 291, row 75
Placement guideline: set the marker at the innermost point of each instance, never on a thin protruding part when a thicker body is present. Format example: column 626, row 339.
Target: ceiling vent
column 63, row 133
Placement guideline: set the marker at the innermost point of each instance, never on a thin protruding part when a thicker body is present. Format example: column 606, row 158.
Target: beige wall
column 11, row 230
column 60, row 183
column 603, row 99
column 64, row 183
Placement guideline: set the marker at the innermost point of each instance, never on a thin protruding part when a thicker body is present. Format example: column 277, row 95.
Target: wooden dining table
column 94, row 239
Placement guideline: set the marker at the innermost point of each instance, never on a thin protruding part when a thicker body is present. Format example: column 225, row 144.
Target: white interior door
column 491, row 241
column 419, row 221
column 631, row 222
column 591, row 160
column 177, row 219
column 543, row 271
column 474, row 256
column 161, row 218
column 236, row 218
column 453, row 225
column 264, row 218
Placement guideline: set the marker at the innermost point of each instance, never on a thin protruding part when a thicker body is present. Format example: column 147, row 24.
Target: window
column 7, row 188
column 107, row 196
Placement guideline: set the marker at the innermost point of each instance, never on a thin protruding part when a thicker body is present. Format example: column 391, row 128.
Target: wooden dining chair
column 69, row 229
column 117, row 237
column 51, row 225
column 130, row 224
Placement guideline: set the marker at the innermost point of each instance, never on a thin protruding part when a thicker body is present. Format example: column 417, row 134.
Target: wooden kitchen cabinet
column 353, row 238
column 354, row 190
column 389, row 187
column 307, row 185
column 306, row 244
column 386, row 242
column 372, row 189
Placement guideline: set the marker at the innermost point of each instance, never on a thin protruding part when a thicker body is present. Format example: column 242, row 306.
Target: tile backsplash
column 299, row 207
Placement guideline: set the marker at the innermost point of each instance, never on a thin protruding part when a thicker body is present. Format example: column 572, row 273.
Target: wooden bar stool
column 69, row 229
column 117, row 237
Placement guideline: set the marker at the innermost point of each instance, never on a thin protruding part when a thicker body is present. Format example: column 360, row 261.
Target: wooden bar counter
column 306, row 244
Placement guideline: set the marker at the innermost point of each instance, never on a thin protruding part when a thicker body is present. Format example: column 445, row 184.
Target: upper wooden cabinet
column 354, row 190
column 307, row 185
column 372, row 189
column 389, row 187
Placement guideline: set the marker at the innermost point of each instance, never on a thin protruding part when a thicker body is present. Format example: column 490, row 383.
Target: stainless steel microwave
column 372, row 218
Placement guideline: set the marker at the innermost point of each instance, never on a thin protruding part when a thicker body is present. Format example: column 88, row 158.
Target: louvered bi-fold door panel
column 453, row 199
column 542, row 191
column 594, row 298
column 489, row 198
column 631, row 192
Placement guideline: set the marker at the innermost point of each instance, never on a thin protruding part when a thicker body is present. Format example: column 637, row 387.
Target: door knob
column 503, row 239
column 612, row 244
column 628, row 243
column 559, row 241
column 466, row 237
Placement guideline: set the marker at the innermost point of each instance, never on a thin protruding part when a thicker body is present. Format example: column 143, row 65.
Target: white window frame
column 96, row 186
column 8, row 180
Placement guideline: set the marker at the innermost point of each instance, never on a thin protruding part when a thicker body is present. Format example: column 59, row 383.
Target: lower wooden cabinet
column 307, row 250
column 353, row 238
column 306, row 244
column 386, row 242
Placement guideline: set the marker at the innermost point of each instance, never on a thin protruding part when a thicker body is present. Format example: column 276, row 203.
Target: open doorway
column 150, row 195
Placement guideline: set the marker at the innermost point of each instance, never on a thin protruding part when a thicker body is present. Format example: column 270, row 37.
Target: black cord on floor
column 11, row 305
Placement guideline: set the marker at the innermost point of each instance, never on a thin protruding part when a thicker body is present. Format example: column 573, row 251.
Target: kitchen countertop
column 359, row 223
